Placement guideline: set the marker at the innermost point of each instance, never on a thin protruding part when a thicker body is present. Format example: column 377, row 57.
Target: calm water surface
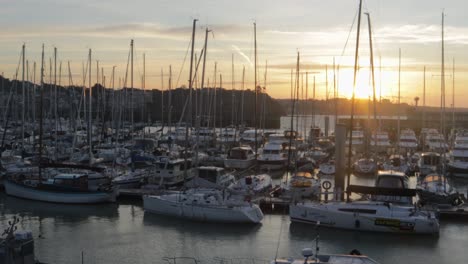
column 124, row 233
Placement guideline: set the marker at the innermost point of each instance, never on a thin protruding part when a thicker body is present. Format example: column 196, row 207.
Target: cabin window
column 390, row 182
column 207, row 175
column 356, row 210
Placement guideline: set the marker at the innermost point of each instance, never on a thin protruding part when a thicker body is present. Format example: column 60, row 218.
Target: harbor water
column 124, row 233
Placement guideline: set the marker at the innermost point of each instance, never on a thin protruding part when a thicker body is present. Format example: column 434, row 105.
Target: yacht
column 428, row 162
column 203, row 205
column 229, row 136
column 273, row 157
column 302, row 184
column 434, row 141
column 353, row 257
column 327, row 169
column 408, row 141
column 435, row 189
column 357, row 140
column 240, row 158
column 252, row 184
column 169, row 171
column 458, row 156
column 396, row 163
column 380, row 142
column 206, row 136
column 211, row 177
column 248, row 137
column 365, row 166
column 394, row 180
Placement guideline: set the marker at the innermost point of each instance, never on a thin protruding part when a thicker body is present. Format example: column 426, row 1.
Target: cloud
column 246, row 58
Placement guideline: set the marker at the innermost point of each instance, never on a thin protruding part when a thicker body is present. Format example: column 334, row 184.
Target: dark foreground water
column 124, row 233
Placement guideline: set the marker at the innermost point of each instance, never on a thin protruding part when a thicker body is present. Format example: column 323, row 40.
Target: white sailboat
column 203, row 205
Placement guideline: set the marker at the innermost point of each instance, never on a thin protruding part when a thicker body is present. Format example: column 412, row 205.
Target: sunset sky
column 317, row 29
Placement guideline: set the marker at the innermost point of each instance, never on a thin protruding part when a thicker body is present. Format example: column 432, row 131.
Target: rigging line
column 347, row 39
column 279, row 239
column 183, row 63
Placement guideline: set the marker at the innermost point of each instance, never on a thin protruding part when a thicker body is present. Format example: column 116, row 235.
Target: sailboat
column 210, row 205
column 377, row 216
column 80, row 186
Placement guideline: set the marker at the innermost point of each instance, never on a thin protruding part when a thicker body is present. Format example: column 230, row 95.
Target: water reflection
column 203, row 229
column 59, row 212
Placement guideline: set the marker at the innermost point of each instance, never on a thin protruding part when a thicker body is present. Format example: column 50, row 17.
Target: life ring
column 326, row 185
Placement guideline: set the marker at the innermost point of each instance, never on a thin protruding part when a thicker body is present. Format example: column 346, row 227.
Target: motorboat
column 211, row 177
column 302, row 184
column 228, row 135
column 428, row 162
column 353, row 257
column 408, row 142
column 203, row 205
column 240, row 158
column 434, row 188
column 380, row 142
column 248, row 137
column 396, row 162
column 273, row 157
column 170, row 171
column 458, row 156
column 327, row 169
column 394, row 180
column 17, row 246
column 434, row 141
column 365, row 166
column 357, row 140
column 252, row 184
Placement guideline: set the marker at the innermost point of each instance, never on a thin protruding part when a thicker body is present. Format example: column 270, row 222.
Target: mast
column 34, row 97
column 131, row 88
column 170, row 99
column 188, row 117
column 399, row 96
column 453, row 95
column 23, row 103
column 372, row 71
column 353, row 95
column 41, row 112
column 424, row 100
column 256, row 91
column 442, row 80
column 242, row 97
column 232, row 90
column 334, row 93
column 162, row 99
column 293, row 98
column 55, row 104
column 90, row 115
column 202, row 88
column 144, row 93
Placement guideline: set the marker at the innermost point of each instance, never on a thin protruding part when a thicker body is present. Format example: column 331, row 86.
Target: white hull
column 238, row 164
column 272, row 164
column 225, row 214
column 376, row 217
column 20, row 191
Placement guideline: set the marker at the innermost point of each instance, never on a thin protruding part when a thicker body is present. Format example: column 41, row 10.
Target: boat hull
column 18, row 190
column 457, row 170
column 350, row 218
column 155, row 204
column 238, row 164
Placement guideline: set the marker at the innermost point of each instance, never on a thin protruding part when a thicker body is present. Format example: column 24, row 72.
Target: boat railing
column 215, row 260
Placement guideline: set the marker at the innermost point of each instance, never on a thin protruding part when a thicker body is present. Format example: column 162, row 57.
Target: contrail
column 242, row 54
